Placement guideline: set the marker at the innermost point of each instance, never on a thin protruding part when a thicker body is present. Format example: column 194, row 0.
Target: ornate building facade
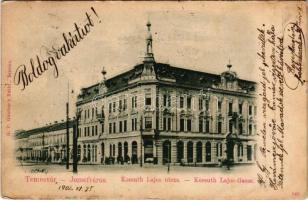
column 157, row 113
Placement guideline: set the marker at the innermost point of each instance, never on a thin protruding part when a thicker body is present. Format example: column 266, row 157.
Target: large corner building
column 157, row 113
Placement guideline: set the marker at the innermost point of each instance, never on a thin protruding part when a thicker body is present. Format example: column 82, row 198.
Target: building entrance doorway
column 166, row 152
column 230, row 147
column 148, row 151
column 134, row 152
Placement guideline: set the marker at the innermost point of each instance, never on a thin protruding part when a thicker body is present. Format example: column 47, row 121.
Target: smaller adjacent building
column 44, row 144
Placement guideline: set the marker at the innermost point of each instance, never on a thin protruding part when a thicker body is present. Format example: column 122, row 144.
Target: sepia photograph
column 126, row 100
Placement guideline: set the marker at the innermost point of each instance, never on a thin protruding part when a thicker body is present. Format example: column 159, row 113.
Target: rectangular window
column 230, row 108
column 125, row 126
column 120, row 126
column 169, row 101
column 219, row 106
column 249, row 152
column 96, row 130
column 188, row 102
column 148, row 101
column 133, row 124
column 250, row 129
column 124, row 104
column 200, row 103
column 85, row 131
column 219, row 127
column 200, row 125
column 166, row 123
column 114, row 127
column 240, row 108
column 114, row 106
column 165, row 100
column 207, row 105
column 110, row 107
column 134, row 102
column 230, row 127
column 181, row 102
column 120, row 105
column 89, row 131
column 250, row 110
column 188, row 124
column 92, row 113
column 148, row 122
column 169, row 124
column 92, row 130
column 240, row 128
column 207, row 126
column 103, row 127
column 240, row 150
column 181, row 124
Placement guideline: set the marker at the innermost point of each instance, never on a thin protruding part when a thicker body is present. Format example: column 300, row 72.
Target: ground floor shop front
column 176, row 151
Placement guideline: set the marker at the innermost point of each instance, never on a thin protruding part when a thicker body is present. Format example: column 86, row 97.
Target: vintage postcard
column 154, row 100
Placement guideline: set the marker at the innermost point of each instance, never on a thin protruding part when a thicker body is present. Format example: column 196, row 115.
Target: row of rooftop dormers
column 181, row 77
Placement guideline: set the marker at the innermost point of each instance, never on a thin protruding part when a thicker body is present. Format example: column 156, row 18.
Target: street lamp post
column 75, row 141
column 67, row 137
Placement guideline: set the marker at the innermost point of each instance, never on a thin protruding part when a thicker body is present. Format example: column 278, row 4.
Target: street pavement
column 51, row 168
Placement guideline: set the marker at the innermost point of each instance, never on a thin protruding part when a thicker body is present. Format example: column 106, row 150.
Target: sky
column 195, row 36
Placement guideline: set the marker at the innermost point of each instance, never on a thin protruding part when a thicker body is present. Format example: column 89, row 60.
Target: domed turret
column 229, row 78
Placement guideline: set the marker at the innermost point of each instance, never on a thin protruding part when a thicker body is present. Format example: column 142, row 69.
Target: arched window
column 219, row 149
column 134, row 152
column 126, row 156
column 179, row 151
column 89, row 153
column 84, row 153
column 119, row 149
column 199, row 151
column 113, row 150
column 190, row 152
column 103, row 149
column 240, row 150
column 208, row 152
